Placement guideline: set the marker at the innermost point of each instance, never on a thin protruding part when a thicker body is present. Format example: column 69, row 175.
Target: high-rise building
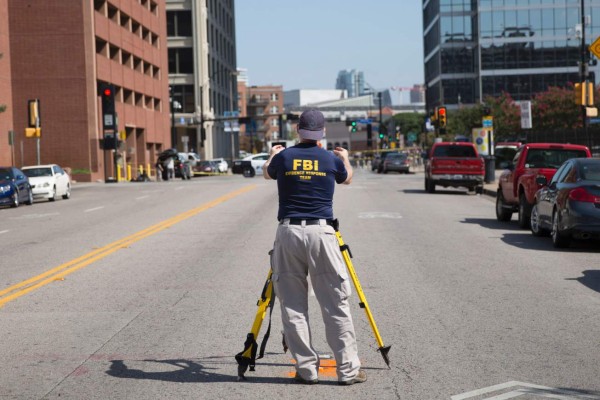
column 473, row 49
column 62, row 53
column 352, row 81
column 203, row 74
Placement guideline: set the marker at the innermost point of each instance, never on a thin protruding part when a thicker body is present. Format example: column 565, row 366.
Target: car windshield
column 551, row 158
column 34, row 172
column 6, row 173
column 454, row 151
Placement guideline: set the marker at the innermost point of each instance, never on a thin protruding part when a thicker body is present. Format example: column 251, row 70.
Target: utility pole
column 584, row 72
column 380, row 116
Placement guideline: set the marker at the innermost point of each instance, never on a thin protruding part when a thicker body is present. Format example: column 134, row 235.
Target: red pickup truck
column 454, row 164
column 517, row 184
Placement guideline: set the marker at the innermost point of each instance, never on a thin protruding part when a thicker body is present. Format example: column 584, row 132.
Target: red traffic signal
column 107, row 92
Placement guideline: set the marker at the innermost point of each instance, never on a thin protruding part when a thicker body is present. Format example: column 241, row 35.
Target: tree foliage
column 556, row 109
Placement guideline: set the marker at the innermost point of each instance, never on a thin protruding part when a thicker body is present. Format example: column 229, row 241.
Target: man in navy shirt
column 306, row 245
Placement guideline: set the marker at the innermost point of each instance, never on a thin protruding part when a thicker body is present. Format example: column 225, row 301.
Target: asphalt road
column 147, row 291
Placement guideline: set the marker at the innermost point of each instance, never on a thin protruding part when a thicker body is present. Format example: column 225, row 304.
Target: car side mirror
column 541, row 180
column 20, row 177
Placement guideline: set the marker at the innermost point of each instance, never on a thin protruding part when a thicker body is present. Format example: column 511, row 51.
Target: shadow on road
column 590, row 278
column 529, row 242
column 492, row 223
column 440, row 192
column 188, row 371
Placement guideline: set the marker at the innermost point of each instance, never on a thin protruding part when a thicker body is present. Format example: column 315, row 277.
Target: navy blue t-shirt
column 306, row 176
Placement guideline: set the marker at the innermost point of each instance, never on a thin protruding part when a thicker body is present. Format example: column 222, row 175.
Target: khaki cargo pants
column 313, row 250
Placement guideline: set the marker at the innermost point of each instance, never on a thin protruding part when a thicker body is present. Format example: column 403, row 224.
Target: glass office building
column 352, row 81
column 476, row 48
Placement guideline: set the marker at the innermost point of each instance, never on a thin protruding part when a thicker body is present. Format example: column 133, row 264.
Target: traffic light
column 369, row 131
column 107, row 92
column 353, row 126
column 441, row 117
column 381, row 135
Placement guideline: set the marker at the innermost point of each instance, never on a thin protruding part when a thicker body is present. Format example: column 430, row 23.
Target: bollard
column 129, row 172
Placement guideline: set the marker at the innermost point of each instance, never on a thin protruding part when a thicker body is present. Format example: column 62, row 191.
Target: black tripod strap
column 263, row 344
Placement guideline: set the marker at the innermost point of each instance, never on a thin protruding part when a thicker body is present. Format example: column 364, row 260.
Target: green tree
column 507, row 116
column 556, row 109
column 462, row 121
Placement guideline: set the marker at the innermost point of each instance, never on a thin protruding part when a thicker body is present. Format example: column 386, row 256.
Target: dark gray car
column 396, row 162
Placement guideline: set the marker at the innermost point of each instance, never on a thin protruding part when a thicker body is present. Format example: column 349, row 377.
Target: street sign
column 526, row 115
column 595, row 47
column 488, row 122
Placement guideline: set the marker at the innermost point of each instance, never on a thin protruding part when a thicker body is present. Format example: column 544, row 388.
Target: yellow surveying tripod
column 247, row 358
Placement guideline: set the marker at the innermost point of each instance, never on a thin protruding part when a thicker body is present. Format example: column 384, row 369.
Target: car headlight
column 5, row 188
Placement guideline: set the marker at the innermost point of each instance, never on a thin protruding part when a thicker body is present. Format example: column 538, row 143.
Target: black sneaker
column 300, row 379
column 359, row 378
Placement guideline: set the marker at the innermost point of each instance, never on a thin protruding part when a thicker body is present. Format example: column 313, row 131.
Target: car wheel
column 15, row 200
column 502, row 213
column 559, row 239
column 534, row 222
column 249, row 172
column 29, row 200
column 524, row 212
column 67, row 194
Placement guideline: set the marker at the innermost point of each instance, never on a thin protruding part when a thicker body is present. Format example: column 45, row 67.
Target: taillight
column 580, row 194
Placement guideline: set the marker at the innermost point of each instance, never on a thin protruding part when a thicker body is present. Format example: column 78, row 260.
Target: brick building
column 263, row 104
column 61, row 52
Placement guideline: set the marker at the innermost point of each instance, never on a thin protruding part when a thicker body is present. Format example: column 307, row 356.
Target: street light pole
column 584, row 72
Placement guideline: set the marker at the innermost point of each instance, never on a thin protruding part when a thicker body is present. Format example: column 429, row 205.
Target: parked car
column 48, row 181
column 222, row 164
column 569, row 206
column 251, row 165
column 517, row 184
column 181, row 163
column 454, row 164
column 14, row 187
column 396, row 162
column 207, row 167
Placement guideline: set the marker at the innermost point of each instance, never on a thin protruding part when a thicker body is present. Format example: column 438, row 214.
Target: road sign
column 488, row 122
column 595, row 47
column 526, row 115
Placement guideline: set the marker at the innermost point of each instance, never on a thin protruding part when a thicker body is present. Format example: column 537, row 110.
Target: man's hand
column 342, row 154
column 274, row 150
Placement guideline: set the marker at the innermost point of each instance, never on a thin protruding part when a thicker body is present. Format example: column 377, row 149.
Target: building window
column 274, row 110
column 179, row 23
column 274, row 97
column 181, row 60
column 184, row 95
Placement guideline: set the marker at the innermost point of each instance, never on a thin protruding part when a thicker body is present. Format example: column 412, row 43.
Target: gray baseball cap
column 311, row 125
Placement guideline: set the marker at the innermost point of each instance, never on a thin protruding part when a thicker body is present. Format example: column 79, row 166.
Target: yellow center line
column 59, row 272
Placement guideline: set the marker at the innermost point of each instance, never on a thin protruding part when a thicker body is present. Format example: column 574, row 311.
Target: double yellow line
column 58, row 273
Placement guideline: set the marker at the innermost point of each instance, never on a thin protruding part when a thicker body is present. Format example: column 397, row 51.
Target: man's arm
column 274, row 150
column 343, row 155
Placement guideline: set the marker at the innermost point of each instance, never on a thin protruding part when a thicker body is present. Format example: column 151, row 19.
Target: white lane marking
column 526, row 389
column 141, row 197
column 378, row 214
column 94, row 209
column 34, row 216
column 1, row 232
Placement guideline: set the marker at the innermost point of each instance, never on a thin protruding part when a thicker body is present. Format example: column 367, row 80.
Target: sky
column 303, row 44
